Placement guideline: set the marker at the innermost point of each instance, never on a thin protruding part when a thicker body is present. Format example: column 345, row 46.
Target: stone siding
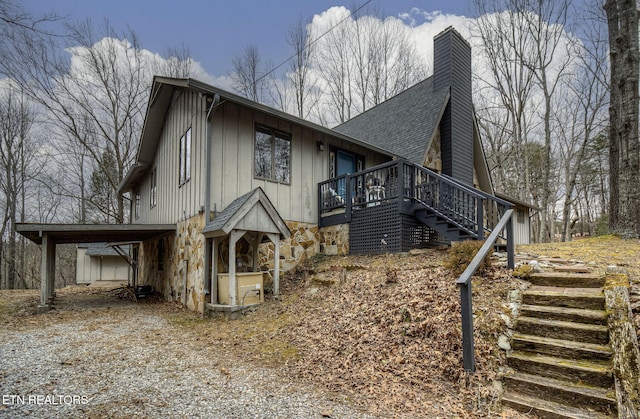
column 182, row 276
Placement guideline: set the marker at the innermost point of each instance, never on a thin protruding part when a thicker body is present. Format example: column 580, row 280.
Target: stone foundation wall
column 306, row 240
column 182, row 276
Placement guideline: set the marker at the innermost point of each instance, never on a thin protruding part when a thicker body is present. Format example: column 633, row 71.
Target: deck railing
column 471, row 210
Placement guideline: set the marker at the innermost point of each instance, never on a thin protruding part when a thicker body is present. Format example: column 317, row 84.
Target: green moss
column 523, row 271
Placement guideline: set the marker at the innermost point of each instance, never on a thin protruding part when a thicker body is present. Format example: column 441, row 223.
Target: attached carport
column 50, row 235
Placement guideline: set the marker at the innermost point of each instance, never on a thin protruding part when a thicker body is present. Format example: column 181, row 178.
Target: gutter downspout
column 215, row 101
column 213, row 105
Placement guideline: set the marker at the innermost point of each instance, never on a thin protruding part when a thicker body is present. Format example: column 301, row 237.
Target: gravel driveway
column 96, row 356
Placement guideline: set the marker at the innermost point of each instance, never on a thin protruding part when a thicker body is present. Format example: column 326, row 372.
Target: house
column 226, row 192
column 98, row 262
column 203, row 148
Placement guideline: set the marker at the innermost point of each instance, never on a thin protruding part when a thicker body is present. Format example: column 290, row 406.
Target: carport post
column 47, row 272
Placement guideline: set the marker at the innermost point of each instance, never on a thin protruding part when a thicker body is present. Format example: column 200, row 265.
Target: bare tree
column 550, row 62
column 364, row 61
column 624, row 144
column 300, row 68
column 531, row 59
column 581, row 117
column 177, row 63
column 96, row 98
column 249, row 74
column 17, row 168
column 505, row 92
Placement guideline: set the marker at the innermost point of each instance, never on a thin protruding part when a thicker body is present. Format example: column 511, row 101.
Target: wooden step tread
column 547, row 409
column 559, row 313
column 603, row 397
column 589, row 350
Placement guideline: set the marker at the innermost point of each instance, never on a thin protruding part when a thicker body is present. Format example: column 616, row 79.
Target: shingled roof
column 251, row 211
column 404, row 125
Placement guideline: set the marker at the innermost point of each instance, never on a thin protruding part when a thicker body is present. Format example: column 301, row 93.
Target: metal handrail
column 464, row 281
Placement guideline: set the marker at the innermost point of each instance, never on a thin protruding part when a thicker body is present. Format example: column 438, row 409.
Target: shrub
column 461, row 254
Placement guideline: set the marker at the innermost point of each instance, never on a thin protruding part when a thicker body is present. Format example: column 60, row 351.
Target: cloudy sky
column 216, row 31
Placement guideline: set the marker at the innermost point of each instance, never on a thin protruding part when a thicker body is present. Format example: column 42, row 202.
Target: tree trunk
column 624, row 147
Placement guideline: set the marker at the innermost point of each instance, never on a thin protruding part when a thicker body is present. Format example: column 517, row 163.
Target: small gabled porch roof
column 253, row 217
column 252, row 211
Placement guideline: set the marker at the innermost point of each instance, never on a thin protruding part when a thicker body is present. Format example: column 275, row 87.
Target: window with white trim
column 185, row 158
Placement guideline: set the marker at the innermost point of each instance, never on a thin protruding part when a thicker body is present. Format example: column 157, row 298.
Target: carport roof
column 88, row 233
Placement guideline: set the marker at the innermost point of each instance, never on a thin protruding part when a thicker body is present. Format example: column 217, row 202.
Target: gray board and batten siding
column 180, row 104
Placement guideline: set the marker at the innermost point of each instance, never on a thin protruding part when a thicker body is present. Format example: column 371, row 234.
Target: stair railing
column 464, row 206
column 464, row 282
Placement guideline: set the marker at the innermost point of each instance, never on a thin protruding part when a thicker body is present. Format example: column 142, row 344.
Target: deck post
column 510, row 244
column 347, row 197
column 480, row 217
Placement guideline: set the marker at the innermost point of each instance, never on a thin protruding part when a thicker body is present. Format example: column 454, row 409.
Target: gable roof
column 162, row 91
column 252, row 211
column 403, row 124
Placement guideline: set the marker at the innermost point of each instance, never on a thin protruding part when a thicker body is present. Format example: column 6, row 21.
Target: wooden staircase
column 561, row 359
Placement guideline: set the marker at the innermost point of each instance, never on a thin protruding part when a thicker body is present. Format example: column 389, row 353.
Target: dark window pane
column 283, row 160
column 262, row 161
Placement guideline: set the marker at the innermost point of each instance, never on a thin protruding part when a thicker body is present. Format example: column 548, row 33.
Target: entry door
column 346, row 163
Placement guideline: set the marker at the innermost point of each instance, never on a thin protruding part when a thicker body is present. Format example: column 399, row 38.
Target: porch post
column 47, row 271
column 275, row 238
column 214, row 270
column 233, row 239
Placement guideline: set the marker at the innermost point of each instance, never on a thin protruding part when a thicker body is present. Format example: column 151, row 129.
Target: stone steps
column 557, row 391
column 560, row 347
column 567, row 280
column 560, row 358
column 558, row 329
column 586, row 298
column 588, row 372
column 565, row 314
column 546, row 409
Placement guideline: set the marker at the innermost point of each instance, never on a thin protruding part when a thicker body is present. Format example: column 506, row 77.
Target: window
column 520, row 216
column 153, row 195
column 272, row 155
column 185, row 158
column 136, row 205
